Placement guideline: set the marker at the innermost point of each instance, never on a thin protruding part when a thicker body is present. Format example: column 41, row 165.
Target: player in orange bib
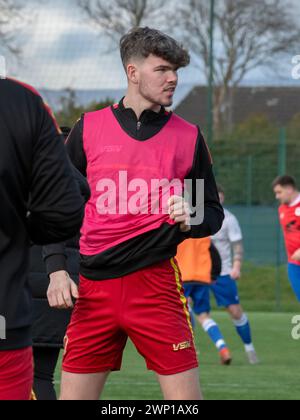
column 200, row 265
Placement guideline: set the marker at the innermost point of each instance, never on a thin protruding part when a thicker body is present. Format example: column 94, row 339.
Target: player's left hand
column 179, row 211
column 296, row 256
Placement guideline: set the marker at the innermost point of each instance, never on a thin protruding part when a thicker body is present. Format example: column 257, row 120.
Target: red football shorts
column 148, row 306
column 16, row 374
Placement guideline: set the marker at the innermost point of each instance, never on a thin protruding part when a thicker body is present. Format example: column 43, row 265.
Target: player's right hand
column 61, row 290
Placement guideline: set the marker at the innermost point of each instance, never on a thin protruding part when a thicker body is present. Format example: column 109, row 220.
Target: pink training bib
column 131, row 180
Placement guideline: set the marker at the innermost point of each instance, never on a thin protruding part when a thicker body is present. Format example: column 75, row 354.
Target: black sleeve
column 213, row 211
column 82, row 184
column 54, row 255
column 74, row 145
column 216, row 260
column 55, row 258
column 55, row 209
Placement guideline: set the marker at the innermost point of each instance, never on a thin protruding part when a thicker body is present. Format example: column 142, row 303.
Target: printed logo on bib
column 297, row 212
column 112, row 149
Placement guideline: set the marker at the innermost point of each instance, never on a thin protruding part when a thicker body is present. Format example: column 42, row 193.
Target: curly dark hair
column 142, row 42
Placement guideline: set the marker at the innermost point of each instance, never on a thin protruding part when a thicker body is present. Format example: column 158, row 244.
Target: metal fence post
column 210, row 122
column 249, row 181
column 282, row 154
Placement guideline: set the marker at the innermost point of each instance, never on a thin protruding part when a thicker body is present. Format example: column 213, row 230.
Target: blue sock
column 244, row 330
column 212, row 329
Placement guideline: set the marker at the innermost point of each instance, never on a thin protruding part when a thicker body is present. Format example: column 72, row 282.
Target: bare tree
column 118, row 16
column 249, row 34
column 10, row 15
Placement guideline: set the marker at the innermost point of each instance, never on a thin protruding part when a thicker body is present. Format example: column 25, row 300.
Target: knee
column 236, row 312
column 202, row 318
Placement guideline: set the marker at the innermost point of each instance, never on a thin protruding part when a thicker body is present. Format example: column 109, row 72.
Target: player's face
column 157, row 80
column 284, row 194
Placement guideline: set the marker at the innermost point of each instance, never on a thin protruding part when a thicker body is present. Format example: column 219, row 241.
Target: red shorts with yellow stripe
column 147, row 306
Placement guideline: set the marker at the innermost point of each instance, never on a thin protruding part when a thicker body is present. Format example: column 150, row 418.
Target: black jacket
column 160, row 244
column 40, row 200
column 49, row 324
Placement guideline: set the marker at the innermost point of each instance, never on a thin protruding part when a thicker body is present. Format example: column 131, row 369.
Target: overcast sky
column 60, row 50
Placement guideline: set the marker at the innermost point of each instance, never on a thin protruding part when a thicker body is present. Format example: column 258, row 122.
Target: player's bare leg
column 87, row 387
column 183, row 386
